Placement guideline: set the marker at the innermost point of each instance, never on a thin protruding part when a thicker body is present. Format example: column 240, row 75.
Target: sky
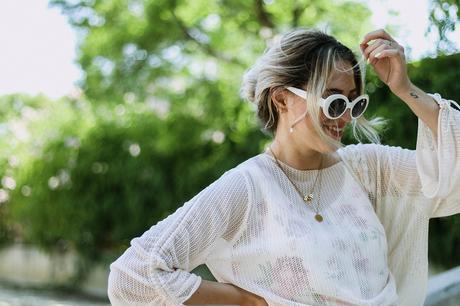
column 412, row 19
column 37, row 49
column 38, row 46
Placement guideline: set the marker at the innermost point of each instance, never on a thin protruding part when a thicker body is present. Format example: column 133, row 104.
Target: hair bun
column 249, row 85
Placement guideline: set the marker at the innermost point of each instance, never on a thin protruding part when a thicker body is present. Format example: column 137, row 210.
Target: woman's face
column 304, row 133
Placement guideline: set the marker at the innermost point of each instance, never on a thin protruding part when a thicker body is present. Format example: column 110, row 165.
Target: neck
column 305, row 159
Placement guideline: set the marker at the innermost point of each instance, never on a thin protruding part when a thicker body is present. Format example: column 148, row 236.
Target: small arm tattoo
column 414, row 95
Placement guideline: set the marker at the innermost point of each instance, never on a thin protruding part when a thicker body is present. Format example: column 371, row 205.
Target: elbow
column 123, row 289
column 126, row 289
column 116, row 288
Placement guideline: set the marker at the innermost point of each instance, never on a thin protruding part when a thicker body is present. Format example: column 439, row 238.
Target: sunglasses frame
column 325, row 103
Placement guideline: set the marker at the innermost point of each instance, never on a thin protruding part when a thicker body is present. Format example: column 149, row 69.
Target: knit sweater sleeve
column 154, row 270
column 431, row 171
column 438, row 159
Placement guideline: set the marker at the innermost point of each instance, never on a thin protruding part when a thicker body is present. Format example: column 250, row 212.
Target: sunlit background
column 39, row 46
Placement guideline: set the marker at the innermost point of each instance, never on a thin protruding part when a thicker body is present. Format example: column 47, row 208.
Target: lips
column 334, row 131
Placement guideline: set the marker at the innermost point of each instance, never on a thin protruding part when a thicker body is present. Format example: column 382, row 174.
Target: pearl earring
column 291, row 129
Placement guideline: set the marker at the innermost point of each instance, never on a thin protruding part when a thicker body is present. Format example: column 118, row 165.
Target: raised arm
column 438, row 143
column 388, row 60
column 430, row 173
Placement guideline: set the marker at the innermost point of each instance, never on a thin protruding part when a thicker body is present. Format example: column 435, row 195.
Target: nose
column 346, row 116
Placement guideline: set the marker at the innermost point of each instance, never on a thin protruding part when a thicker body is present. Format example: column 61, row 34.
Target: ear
column 279, row 99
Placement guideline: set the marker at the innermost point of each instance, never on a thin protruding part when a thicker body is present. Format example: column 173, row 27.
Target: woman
column 309, row 221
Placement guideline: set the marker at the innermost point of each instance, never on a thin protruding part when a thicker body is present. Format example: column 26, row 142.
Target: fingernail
column 367, row 61
column 378, row 54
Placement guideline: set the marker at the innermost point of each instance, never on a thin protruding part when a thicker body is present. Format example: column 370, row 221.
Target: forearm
column 216, row 293
column 424, row 106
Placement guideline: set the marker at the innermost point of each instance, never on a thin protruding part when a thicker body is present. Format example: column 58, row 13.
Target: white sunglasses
column 336, row 105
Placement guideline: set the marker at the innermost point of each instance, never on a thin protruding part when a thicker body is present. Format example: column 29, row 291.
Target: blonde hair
column 305, row 58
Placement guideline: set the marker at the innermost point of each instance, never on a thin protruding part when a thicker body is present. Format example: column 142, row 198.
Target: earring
column 291, row 129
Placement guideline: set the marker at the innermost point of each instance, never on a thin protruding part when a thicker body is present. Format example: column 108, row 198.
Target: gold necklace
column 307, row 198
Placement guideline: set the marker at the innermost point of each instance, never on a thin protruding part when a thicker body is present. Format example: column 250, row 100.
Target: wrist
column 404, row 90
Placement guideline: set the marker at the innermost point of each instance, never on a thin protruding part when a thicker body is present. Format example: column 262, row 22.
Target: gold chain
column 309, row 196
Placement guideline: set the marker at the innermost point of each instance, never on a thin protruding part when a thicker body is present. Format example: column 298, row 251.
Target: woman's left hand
column 388, row 60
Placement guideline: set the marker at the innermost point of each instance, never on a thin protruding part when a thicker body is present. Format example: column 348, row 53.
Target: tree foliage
column 444, row 17
column 162, row 48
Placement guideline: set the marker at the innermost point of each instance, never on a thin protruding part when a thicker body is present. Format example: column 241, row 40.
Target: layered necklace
column 307, row 198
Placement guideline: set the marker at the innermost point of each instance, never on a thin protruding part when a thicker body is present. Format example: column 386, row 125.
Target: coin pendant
column 319, row 218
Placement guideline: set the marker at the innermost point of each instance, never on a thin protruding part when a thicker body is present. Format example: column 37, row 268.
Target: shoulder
column 253, row 164
column 374, row 158
column 255, row 170
column 360, row 151
column 372, row 151
column 241, row 174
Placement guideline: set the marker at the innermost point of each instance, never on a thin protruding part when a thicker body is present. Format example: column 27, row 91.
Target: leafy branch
column 204, row 46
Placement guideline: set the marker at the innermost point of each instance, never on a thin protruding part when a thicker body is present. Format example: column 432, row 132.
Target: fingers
column 383, row 52
column 381, row 33
column 371, row 47
column 372, row 58
column 374, row 40
column 387, row 53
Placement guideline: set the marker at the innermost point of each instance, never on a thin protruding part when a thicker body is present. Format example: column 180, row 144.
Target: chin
column 335, row 137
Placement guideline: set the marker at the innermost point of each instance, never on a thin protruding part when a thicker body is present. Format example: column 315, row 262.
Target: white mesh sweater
column 252, row 229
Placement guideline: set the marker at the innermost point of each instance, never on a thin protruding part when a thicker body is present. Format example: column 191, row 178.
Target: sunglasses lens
column 359, row 108
column 337, row 107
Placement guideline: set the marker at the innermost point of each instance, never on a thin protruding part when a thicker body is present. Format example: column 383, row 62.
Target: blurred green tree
column 135, row 50
column 444, row 17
